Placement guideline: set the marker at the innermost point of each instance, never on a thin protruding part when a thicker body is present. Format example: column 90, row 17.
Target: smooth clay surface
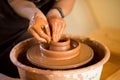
column 65, row 54
column 28, row 71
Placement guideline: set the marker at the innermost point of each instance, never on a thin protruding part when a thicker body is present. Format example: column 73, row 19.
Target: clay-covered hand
column 57, row 24
column 39, row 28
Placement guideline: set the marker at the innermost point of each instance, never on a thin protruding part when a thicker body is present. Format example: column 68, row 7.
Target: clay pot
column 60, row 50
column 91, row 70
column 67, row 53
column 62, row 45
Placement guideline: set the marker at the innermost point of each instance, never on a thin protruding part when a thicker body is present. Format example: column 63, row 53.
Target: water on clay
column 99, row 53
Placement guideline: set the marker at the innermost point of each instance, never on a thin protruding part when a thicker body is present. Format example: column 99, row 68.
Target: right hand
column 39, row 27
column 57, row 24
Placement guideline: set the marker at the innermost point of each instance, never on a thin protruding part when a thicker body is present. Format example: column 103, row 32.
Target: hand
column 39, row 28
column 56, row 23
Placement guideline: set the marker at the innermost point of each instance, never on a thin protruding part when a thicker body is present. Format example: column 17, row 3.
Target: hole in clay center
column 62, row 40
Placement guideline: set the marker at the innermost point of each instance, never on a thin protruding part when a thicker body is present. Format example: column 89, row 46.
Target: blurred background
column 89, row 15
column 99, row 20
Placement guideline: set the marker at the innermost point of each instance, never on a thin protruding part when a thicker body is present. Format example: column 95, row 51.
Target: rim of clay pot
column 60, row 55
column 14, row 59
column 62, row 45
column 83, row 57
column 63, row 41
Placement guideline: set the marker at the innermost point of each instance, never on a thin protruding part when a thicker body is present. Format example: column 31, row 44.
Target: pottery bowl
column 90, row 71
column 63, row 54
column 62, row 45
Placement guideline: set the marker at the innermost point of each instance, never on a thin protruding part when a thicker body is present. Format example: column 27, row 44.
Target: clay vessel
column 62, row 45
column 60, row 50
column 89, row 71
column 67, row 53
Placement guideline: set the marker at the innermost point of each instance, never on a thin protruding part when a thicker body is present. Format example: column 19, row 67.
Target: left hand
column 56, row 23
column 39, row 28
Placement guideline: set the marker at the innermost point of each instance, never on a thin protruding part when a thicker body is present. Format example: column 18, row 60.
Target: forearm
column 65, row 5
column 24, row 8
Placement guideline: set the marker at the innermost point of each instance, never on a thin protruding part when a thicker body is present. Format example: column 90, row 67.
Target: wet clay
column 65, row 54
column 28, row 71
column 39, row 28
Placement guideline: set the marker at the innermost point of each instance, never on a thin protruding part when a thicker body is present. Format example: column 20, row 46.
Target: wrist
column 60, row 11
column 55, row 12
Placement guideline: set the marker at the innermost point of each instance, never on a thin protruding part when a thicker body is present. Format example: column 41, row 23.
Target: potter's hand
column 56, row 23
column 39, row 28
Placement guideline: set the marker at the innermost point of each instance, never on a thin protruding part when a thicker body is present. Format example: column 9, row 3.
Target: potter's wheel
column 36, row 57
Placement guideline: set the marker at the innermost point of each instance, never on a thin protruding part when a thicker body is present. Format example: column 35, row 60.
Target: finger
column 36, row 35
column 58, row 31
column 58, row 27
column 54, row 30
column 61, row 30
column 43, row 34
column 47, row 28
column 38, row 28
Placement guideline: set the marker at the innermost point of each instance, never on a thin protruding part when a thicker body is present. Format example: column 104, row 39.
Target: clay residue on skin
column 39, row 29
column 57, row 26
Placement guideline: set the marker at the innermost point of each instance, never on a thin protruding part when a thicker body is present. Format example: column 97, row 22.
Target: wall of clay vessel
column 89, row 15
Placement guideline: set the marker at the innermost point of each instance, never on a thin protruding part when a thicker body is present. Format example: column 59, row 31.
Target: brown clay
column 62, row 45
column 29, row 72
column 65, row 54
column 39, row 28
